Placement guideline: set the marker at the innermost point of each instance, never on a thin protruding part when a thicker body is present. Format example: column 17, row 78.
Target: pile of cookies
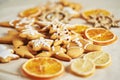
column 43, row 31
column 55, row 38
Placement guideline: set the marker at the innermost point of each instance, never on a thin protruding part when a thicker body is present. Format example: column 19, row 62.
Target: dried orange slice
column 100, row 36
column 43, row 67
column 83, row 67
column 86, row 14
column 79, row 28
column 101, row 59
column 31, row 12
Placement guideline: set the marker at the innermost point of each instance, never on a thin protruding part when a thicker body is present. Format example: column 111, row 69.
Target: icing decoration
column 70, row 10
column 66, row 37
column 21, row 21
column 12, row 21
column 53, row 48
column 77, row 41
column 26, row 20
column 29, row 30
column 41, row 40
column 4, row 52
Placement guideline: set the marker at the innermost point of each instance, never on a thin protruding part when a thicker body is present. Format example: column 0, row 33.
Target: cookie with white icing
column 51, row 15
column 75, row 6
column 71, row 12
column 19, row 23
column 30, row 33
column 6, row 55
column 40, row 44
column 59, row 53
column 44, row 54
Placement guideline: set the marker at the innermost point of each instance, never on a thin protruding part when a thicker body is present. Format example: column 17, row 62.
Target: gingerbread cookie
column 55, row 14
column 8, row 38
column 23, row 51
column 30, row 33
column 7, row 55
column 44, row 54
column 92, row 47
column 5, row 24
column 59, row 53
column 75, row 51
column 17, row 42
column 73, row 5
column 71, row 12
column 19, row 23
column 40, row 44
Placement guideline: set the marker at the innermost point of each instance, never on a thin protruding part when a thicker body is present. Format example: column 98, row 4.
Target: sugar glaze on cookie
column 21, row 21
column 4, row 52
column 29, row 30
column 44, row 42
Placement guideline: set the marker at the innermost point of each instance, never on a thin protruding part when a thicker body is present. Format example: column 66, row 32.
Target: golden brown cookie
column 57, row 42
column 75, row 51
column 30, row 33
column 20, row 23
column 54, row 14
column 62, row 56
column 75, row 6
column 59, row 53
column 92, row 47
column 5, row 24
column 8, row 38
column 23, row 51
column 44, row 54
column 40, row 44
column 6, row 55
column 17, row 42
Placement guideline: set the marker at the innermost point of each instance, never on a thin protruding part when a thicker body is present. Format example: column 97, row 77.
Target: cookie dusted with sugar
column 6, row 55
column 30, row 33
column 19, row 23
column 40, row 44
